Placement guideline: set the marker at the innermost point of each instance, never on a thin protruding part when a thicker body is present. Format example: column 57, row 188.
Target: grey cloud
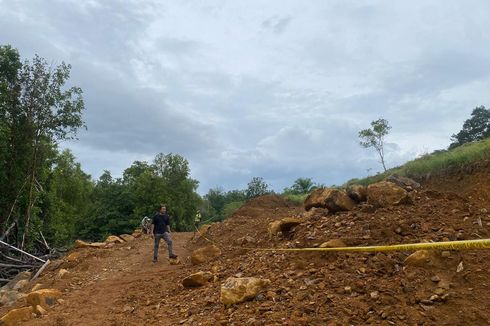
column 215, row 82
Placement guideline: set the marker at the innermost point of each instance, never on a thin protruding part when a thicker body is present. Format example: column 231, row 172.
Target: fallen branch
column 22, row 251
column 16, row 266
column 41, row 270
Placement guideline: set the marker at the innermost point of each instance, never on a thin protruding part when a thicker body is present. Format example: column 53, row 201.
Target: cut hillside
column 120, row 285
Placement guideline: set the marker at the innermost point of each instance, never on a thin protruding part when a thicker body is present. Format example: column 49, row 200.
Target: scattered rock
column 284, row 226
column 40, row 311
column 446, row 254
column 334, row 243
column 197, row 279
column 333, row 199
column 73, row 257
column 16, row 316
column 126, row 237
column 44, row 298
column 244, row 240
column 174, row 261
column 21, row 285
column 419, row 258
column 10, row 297
column 36, row 287
column 83, row 244
column 435, row 279
column 374, row 295
column 62, row 273
column 403, row 182
column 384, row 194
column 205, row 254
column 236, row 290
column 22, row 276
column 114, row 239
column 357, row 193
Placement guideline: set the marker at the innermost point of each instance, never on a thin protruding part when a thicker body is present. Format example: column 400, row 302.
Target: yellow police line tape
column 444, row 245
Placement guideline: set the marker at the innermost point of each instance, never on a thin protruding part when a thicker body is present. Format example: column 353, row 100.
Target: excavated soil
column 120, row 286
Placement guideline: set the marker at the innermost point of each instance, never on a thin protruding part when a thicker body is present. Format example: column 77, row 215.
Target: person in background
column 146, row 225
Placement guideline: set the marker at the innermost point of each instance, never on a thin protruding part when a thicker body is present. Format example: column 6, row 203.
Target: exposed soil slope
column 121, row 286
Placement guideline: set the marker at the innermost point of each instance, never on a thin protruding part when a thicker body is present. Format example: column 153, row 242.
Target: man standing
column 160, row 228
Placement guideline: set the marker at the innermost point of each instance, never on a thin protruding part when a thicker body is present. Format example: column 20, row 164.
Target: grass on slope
column 437, row 161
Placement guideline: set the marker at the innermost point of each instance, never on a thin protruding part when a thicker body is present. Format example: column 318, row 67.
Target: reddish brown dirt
column 120, row 286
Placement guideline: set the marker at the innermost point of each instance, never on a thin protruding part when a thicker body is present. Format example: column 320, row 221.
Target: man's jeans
column 168, row 239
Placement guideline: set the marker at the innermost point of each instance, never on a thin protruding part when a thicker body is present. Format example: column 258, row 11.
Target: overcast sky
column 277, row 89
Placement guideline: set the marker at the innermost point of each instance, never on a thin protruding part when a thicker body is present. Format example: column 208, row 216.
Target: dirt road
column 110, row 287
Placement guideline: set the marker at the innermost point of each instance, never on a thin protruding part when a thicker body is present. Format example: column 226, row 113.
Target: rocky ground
column 120, row 285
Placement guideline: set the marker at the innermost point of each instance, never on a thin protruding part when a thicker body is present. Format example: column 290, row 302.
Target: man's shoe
column 172, row 256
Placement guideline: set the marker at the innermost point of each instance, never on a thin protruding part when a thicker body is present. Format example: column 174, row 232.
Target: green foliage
column 66, row 200
column 374, row 137
column 36, row 111
column 475, row 128
column 257, row 187
column 217, row 203
column 301, row 186
column 435, row 162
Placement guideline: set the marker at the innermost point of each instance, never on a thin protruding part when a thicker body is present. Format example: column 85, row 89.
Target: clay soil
column 121, row 286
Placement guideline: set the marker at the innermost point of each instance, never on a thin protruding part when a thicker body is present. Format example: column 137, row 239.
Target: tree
column 374, row 137
column 475, row 128
column 257, row 187
column 36, row 112
column 301, row 186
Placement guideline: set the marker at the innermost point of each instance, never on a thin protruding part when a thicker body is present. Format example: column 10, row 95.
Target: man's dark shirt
column 161, row 222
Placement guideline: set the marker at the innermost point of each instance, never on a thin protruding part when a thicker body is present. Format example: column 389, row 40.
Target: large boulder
column 44, row 298
column 16, row 316
column 236, row 290
column 114, row 239
column 333, row 199
column 384, row 194
column 283, row 225
column 197, row 279
column 357, row 192
column 22, row 276
column 403, row 182
column 205, row 254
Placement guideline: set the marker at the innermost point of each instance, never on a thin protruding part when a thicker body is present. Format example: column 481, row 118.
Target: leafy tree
column 66, row 202
column 37, row 111
column 374, row 137
column 475, row 128
column 257, row 187
column 301, row 186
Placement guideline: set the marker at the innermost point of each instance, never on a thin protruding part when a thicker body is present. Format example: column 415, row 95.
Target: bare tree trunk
column 30, row 202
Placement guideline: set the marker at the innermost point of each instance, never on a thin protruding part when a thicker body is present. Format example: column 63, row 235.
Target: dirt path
column 110, row 286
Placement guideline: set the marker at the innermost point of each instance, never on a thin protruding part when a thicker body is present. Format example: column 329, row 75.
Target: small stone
column 40, row 311
column 446, row 254
column 439, row 291
column 434, row 297
column 435, row 279
column 374, row 294
column 347, row 289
